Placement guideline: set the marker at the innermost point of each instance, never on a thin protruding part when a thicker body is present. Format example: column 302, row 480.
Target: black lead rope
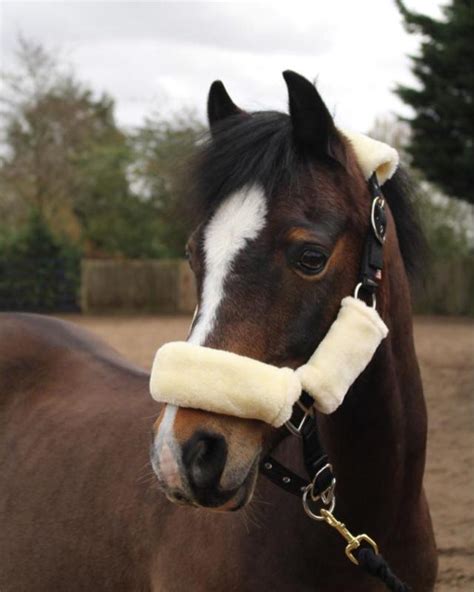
column 303, row 422
column 320, row 486
column 375, row 565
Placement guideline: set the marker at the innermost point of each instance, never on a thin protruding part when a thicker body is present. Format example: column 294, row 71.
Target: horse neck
column 376, row 440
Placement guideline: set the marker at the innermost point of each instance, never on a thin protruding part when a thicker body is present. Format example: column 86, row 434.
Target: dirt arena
column 446, row 353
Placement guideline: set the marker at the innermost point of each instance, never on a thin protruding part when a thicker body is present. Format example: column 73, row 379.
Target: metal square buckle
column 307, row 412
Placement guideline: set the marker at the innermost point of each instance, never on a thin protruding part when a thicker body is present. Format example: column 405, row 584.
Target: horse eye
column 312, row 261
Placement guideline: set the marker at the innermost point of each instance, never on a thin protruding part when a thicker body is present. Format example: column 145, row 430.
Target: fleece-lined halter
column 223, row 382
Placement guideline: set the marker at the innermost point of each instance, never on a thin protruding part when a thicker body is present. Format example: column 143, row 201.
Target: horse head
column 285, row 209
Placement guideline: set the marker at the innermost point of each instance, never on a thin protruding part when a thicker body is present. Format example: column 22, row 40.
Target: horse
column 283, row 210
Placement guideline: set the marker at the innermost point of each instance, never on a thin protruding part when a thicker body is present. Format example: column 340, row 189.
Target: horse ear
column 219, row 104
column 313, row 125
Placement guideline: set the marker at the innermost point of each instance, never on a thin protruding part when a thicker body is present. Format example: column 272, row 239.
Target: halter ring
column 379, row 228
column 308, row 510
column 356, row 295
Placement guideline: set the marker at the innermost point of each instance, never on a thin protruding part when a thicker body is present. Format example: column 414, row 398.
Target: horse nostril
column 204, row 457
column 178, row 497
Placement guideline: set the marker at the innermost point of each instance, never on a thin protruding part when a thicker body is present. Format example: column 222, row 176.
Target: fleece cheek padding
column 343, row 354
column 199, row 377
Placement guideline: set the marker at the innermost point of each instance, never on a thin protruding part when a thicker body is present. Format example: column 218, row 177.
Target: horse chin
column 243, row 495
column 217, row 501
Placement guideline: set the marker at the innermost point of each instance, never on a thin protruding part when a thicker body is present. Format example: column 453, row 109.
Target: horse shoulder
column 74, row 420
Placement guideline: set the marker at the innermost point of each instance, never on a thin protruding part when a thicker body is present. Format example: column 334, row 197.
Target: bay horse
column 284, row 209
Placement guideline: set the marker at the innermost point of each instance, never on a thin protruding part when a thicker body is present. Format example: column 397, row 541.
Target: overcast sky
column 162, row 56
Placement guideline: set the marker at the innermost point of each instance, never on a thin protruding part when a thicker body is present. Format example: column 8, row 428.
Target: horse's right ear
column 219, row 104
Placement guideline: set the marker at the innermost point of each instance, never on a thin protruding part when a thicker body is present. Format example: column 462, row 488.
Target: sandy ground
column 445, row 349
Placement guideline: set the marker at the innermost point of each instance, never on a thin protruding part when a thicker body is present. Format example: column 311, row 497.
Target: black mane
column 400, row 193
column 259, row 148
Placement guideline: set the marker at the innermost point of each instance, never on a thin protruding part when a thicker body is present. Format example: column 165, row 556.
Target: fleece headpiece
column 373, row 156
column 213, row 380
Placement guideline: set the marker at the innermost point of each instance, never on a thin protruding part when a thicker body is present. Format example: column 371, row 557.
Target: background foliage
column 74, row 184
column 113, row 192
column 441, row 142
column 38, row 272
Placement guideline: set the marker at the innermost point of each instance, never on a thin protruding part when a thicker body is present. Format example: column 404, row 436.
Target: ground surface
column 446, row 353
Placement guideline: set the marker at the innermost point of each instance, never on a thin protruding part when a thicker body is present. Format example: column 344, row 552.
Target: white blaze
column 239, row 219
column 165, row 463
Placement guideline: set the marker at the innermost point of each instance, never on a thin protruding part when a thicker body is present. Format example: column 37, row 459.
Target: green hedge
column 38, row 272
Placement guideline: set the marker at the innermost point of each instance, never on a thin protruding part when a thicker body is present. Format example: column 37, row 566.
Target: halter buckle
column 307, row 412
column 327, row 496
column 378, row 218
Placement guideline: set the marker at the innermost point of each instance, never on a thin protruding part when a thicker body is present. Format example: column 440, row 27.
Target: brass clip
column 353, row 542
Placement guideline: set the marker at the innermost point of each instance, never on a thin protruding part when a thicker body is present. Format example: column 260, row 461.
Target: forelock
column 255, row 149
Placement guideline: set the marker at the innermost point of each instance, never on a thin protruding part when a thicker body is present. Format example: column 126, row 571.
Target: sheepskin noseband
column 223, row 382
column 215, row 380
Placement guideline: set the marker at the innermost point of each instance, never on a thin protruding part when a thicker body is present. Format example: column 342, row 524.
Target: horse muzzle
column 191, row 459
column 204, row 469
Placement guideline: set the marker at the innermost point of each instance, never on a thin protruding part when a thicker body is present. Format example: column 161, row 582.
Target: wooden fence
column 167, row 286
column 448, row 289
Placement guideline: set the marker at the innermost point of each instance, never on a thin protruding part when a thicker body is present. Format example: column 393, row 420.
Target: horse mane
column 400, row 193
column 258, row 148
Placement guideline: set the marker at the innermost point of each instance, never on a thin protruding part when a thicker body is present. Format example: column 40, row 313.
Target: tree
column 61, row 146
column 163, row 155
column 447, row 223
column 38, row 271
column 64, row 158
column 441, row 143
column 394, row 132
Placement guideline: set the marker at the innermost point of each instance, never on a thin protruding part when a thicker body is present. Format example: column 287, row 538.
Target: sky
column 161, row 57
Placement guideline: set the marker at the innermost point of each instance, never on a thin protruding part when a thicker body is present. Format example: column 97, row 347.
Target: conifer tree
column 441, row 144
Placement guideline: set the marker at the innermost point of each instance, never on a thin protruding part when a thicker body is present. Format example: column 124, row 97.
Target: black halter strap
column 303, row 422
column 372, row 258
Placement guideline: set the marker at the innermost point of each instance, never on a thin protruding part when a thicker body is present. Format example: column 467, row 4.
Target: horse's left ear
column 219, row 104
column 313, row 125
